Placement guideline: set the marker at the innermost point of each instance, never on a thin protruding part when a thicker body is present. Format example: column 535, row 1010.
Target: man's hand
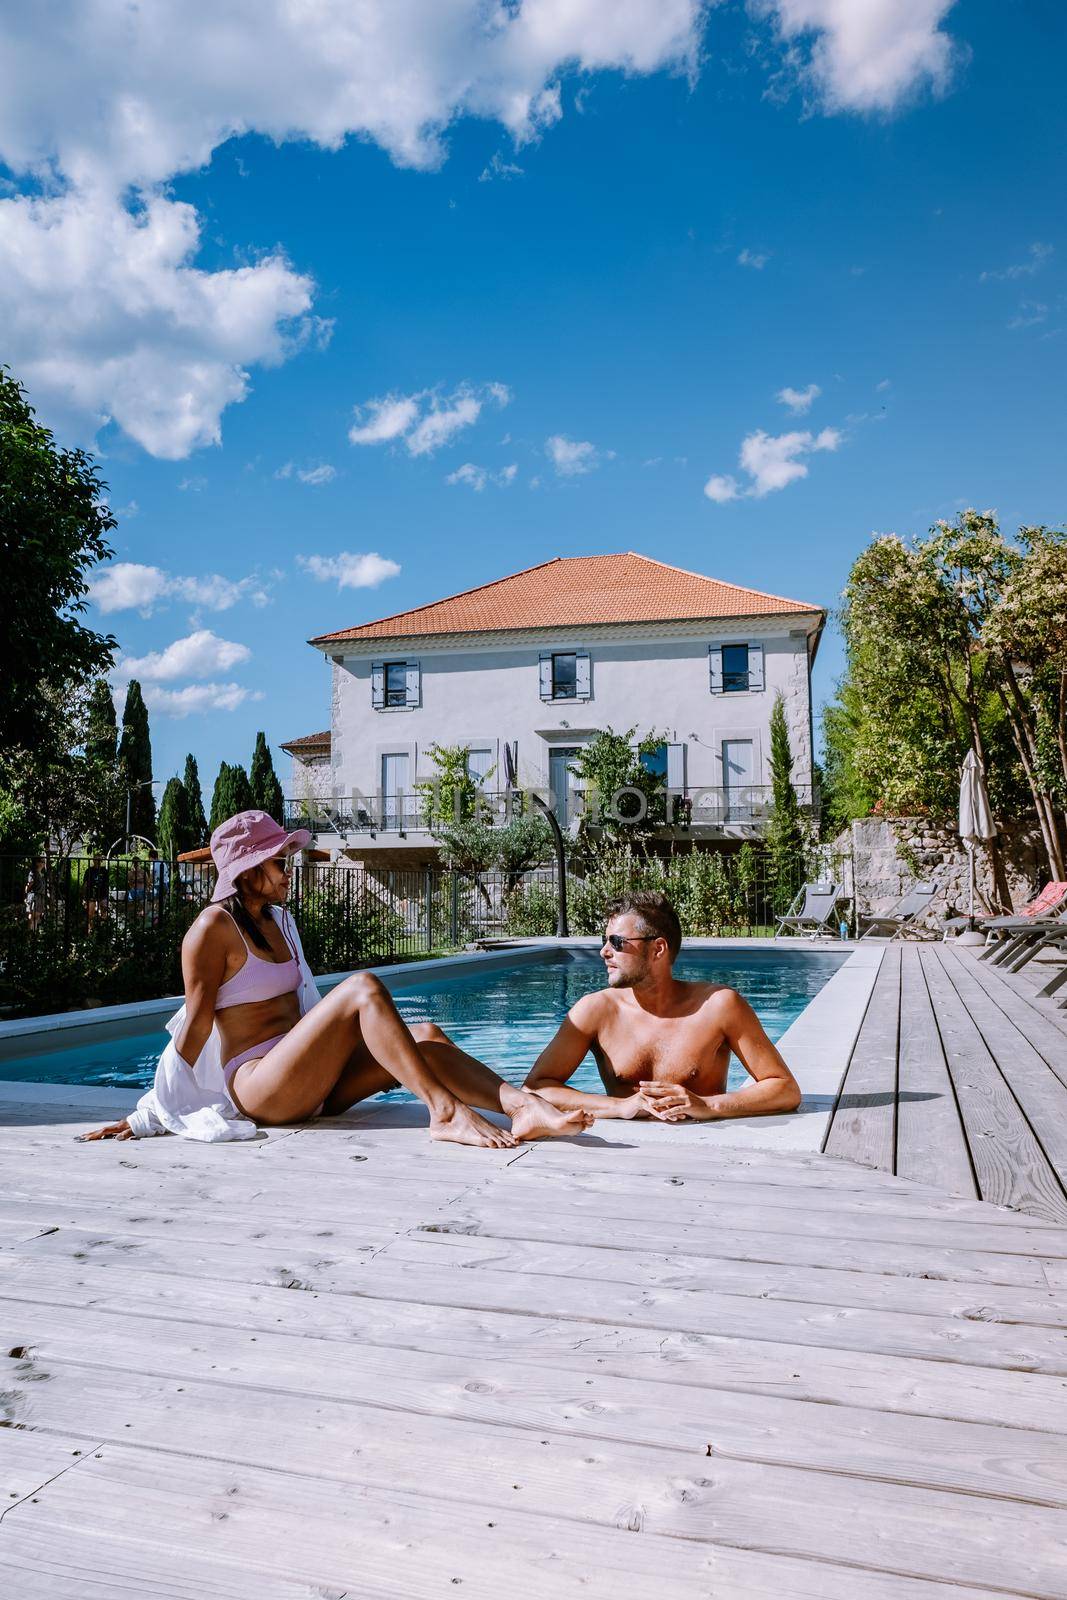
column 672, row 1102
column 114, row 1130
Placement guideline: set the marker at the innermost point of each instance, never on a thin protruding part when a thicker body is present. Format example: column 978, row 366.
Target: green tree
column 101, row 733
column 450, row 796
column 266, row 790
column 195, row 797
column 59, row 797
column 54, row 520
column 101, row 757
column 785, row 835
column 135, row 762
column 625, row 799
column 175, row 832
column 232, row 793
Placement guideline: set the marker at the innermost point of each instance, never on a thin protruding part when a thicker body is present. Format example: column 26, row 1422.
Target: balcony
column 738, row 811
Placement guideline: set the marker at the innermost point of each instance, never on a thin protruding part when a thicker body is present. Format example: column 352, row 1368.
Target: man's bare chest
column 665, row 1049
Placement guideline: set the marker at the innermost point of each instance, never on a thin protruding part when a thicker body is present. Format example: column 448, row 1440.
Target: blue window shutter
column 755, row 667
column 715, row 664
column 676, row 766
column 377, row 685
column 583, row 676
column 546, row 677
column 414, row 683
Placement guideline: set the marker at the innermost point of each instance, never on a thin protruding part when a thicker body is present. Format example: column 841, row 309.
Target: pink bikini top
column 259, row 978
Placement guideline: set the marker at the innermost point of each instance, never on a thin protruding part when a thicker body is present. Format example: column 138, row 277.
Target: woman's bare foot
column 539, row 1119
column 465, row 1126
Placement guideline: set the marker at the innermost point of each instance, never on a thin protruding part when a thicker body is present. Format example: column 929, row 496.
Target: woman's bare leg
column 292, row 1080
column 470, row 1080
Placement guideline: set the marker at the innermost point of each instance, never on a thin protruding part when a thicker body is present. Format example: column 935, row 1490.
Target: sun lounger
column 812, row 912
column 1042, row 933
column 1005, row 931
column 897, row 921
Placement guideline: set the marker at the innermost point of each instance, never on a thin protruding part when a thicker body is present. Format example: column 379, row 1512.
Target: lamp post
column 562, row 929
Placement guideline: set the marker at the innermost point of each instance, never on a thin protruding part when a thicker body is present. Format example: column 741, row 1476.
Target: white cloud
column 350, row 571
column 864, row 55
column 499, row 168
column 318, row 475
column 886, row 383
column 1031, row 314
column 130, row 586
column 572, row 457
column 771, row 461
column 477, row 478
column 105, row 104
column 721, row 489
column 1036, row 257
column 197, row 698
column 386, row 419
column 137, row 334
column 197, row 656
column 799, row 401
column 757, row 259
column 427, row 420
column 192, row 485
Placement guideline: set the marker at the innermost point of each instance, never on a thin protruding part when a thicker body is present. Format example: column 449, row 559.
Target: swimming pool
column 504, row 1016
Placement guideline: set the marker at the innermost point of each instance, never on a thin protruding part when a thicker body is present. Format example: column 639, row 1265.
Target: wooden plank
column 1011, row 1165
column 863, row 1127
column 337, row 1265
column 50, row 1563
column 1043, row 1021
column 276, row 1405
column 30, row 1460
column 766, row 1280
column 406, row 1542
column 99, row 1281
column 1038, row 1090
column 837, row 1373
column 930, row 1140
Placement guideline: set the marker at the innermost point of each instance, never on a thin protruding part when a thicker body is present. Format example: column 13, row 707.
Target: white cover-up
column 195, row 1102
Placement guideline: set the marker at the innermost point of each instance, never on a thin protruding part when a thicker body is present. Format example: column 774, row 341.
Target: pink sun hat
column 247, row 840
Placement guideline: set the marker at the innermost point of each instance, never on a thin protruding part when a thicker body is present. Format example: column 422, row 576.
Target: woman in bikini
column 255, row 1045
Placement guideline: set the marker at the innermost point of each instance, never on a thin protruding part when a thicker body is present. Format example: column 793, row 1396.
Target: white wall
column 485, row 695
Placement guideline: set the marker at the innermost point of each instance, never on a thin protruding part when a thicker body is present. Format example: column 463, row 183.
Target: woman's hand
column 114, row 1130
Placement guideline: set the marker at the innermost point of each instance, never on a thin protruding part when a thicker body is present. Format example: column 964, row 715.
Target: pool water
column 504, row 1017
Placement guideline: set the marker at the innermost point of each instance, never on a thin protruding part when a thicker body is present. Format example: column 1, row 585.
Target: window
column 655, row 761
column 565, row 677
column 396, row 683
column 734, row 667
column 479, row 765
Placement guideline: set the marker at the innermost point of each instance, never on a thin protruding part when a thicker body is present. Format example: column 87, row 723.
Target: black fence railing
column 83, row 931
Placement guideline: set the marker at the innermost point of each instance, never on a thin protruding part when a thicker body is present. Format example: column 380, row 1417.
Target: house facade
column 527, row 670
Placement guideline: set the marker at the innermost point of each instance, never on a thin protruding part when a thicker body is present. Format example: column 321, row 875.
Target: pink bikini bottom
column 253, row 1054
column 256, row 1052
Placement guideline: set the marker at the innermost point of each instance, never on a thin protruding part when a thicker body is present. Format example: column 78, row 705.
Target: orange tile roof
column 309, row 741
column 578, row 591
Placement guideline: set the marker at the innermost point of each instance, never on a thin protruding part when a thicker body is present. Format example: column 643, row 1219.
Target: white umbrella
column 975, row 818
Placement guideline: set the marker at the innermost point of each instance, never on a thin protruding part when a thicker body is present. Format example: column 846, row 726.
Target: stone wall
column 880, row 859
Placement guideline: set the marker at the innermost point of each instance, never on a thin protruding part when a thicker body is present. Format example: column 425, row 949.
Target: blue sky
column 759, row 207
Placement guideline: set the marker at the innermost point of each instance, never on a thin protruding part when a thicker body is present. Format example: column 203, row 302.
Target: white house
column 527, row 669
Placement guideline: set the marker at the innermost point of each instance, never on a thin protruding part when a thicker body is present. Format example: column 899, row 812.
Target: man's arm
column 773, row 1089
column 564, row 1055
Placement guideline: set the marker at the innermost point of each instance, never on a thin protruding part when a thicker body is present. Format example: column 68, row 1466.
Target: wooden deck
column 959, row 1079
column 342, row 1362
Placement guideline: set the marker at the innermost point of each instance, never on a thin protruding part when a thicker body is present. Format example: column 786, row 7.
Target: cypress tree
column 232, row 793
column 785, row 835
column 102, row 734
column 195, row 799
column 266, row 790
column 175, row 831
column 135, row 762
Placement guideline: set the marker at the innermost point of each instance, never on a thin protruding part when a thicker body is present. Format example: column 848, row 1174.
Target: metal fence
column 82, row 930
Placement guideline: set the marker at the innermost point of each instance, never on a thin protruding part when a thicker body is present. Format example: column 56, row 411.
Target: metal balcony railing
column 745, row 808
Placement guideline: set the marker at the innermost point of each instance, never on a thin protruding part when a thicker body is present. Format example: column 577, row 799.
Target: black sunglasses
column 618, row 940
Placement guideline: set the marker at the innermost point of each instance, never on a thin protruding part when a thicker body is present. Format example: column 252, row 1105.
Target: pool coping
column 817, row 1045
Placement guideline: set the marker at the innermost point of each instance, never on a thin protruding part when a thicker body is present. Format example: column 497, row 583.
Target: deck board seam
column 948, row 1068
column 85, row 1455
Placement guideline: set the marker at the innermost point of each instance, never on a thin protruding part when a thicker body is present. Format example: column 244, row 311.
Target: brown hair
column 655, row 911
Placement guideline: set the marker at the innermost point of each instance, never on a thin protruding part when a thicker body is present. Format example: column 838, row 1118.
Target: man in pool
column 662, row 1046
